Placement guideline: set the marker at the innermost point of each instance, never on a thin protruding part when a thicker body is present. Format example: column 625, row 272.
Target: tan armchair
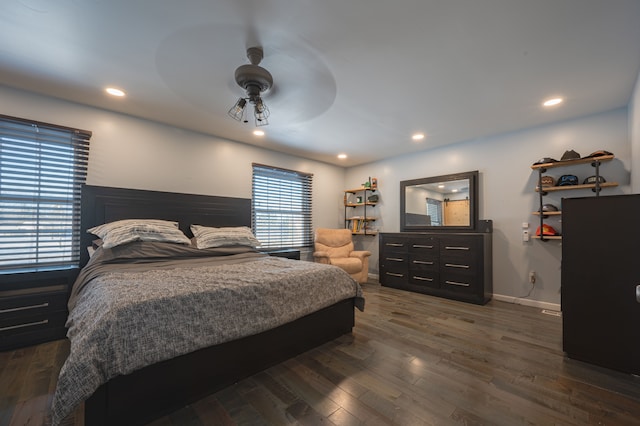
column 334, row 247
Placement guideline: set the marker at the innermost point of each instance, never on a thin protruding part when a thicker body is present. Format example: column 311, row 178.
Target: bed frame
column 161, row 388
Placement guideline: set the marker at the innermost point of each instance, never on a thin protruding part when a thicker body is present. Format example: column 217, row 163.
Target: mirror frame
column 473, row 202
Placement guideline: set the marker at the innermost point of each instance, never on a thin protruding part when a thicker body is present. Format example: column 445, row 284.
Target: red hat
column 547, row 230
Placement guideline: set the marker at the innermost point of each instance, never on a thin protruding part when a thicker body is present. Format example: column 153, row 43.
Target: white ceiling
column 351, row 76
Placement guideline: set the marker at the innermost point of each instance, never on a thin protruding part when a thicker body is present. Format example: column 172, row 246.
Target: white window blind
column 434, row 209
column 42, row 168
column 281, row 213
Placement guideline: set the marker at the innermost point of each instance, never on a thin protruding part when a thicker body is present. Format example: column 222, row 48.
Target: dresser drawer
column 29, row 305
column 425, row 278
column 459, row 283
column 420, row 262
column 459, row 247
column 394, row 245
column 427, row 247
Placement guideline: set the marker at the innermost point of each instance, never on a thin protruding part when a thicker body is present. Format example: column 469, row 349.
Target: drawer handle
column 422, row 246
column 29, row 324
column 24, row 308
column 456, row 248
column 457, row 283
column 423, row 279
column 395, row 259
column 394, row 244
column 638, row 293
column 453, row 265
column 422, row 262
column 394, row 275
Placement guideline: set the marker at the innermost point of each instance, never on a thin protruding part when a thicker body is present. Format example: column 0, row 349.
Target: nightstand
column 33, row 307
column 288, row 253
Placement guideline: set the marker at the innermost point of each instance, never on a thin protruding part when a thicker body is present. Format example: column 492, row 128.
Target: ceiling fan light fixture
column 237, row 111
column 254, row 80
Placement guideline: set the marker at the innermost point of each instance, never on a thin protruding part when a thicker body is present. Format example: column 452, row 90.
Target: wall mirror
column 447, row 203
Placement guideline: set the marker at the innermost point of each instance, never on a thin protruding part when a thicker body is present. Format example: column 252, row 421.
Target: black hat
column 570, row 155
column 546, row 160
column 549, row 208
column 567, row 180
column 592, row 179
column 373, row 198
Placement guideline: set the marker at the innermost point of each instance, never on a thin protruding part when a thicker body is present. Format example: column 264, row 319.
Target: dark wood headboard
column 101, row 204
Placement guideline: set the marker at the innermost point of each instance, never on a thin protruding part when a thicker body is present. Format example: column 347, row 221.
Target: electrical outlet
column 532, row 277
column 525, row 235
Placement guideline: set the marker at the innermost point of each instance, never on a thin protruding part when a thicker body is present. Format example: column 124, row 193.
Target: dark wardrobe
column 601, row 280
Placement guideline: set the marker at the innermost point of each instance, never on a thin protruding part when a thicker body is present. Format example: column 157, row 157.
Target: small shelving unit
column 544, row 190
column 356, row 201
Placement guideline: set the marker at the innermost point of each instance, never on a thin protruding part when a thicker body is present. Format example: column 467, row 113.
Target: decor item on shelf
column 546, row 230
column 373, row 198
column 549, row 208
column 367, row 184
column 546, row 160
column 374, row 183
column 599, row 153
column 254, row 80
column 570, row 155
column 594, row 179
column 335, row 247
column 567, row 180
column 548, row 181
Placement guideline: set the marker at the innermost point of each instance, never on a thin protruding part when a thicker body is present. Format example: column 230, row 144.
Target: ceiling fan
column 254, row 80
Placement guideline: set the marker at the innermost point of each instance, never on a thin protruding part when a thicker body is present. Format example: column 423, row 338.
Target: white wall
column 507, row 191
column 634, row 132
column 133, row 153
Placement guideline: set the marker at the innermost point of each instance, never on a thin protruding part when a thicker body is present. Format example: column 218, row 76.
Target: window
column 281, row 213
column 42, row 168
column 434, row 209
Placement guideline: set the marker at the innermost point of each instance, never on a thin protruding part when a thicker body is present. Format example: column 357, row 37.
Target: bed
column 156, row 289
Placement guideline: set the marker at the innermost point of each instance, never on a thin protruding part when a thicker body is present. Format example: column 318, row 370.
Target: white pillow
column 207, row 237
column 125, row 231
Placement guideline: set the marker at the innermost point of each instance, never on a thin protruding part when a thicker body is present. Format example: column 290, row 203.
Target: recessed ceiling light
column 552, row 102
column 114, row 92
column 258, row 132
column 440, row 186
column 417, row 136
column 342, row 156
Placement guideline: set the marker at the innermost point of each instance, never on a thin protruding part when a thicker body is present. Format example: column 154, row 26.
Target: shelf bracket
column 596, row 164
column 541, row 193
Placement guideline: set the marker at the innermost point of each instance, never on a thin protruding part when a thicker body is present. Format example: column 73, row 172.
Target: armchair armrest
column 321, row 257
column 360, row 254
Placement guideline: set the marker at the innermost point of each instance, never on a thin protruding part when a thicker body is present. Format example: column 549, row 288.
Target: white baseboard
column 527, row 302
column 374, row 277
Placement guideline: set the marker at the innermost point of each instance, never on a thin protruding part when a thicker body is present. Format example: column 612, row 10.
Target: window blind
column 434, row 209
column 281, row 213
column 42, row 168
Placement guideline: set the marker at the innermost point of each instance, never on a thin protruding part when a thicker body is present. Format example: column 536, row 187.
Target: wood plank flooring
column 411, row 360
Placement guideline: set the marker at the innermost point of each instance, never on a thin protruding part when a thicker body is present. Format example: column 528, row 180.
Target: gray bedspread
column 126, row 313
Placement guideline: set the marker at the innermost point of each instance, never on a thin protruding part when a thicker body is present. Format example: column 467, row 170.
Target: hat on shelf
column 592, row 179
column 546, row 230
column 548, row 181
column 599, row 153
column 570, row 155
column 546, row 160
column 549, row 208
column 565, row 180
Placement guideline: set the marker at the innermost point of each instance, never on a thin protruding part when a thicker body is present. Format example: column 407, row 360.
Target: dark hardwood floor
column 411, row 360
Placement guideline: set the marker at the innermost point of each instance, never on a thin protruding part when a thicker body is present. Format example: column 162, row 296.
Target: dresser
column 33, row 307
column 451, row 265
column 601, row 281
